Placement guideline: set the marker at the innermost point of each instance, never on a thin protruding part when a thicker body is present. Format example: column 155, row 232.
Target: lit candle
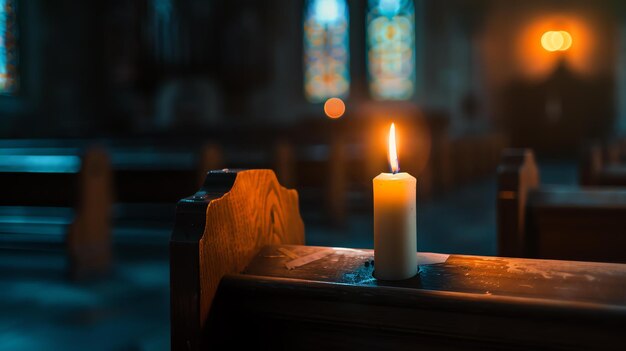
column 395, row 224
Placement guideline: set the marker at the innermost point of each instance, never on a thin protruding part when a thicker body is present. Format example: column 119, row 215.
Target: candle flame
column 393, row 153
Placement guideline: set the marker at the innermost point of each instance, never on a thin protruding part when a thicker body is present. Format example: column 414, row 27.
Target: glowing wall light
column 556, row 40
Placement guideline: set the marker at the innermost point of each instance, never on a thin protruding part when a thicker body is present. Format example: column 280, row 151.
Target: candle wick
column 397, row 168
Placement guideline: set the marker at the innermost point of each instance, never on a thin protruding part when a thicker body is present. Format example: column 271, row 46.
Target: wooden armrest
column 566, row 281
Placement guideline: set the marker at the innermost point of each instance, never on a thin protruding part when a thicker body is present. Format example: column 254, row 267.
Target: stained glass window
column 326, row 52
column 163, row 30
column 8, row 50
column 391, row 49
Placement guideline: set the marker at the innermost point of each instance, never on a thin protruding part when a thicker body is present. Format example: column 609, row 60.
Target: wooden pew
column 279, row 156
column 58, row 199
column 321, row 167
column 149, row 178
column 141, row 171
column 555, row 222
column 440, row 160
column 603, row 166
column 202, row 249
column 473, row 156
column 337, row 159
column 231, row 287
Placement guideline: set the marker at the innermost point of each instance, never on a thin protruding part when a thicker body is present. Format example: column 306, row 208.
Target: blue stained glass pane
column 326, row 50
column 3, row 28
column 391, row 49
column 8, row 52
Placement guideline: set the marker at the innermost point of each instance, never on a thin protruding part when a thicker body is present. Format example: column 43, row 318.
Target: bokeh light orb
column 334, row 108
column 556, row 40
column 567, row 40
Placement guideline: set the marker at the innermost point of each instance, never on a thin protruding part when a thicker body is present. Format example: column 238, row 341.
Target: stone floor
column 129, row 310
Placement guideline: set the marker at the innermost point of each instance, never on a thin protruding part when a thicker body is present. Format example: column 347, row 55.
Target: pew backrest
column 217, row 232
column 41, row 176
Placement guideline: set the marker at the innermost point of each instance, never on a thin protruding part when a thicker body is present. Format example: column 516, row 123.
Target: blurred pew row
column 57, row 199
column 582, row 223
column 70, row 195
column 604, row 164
column 68, row 199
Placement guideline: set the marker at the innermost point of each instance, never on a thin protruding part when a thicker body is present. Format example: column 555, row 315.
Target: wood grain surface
column 464, row 303
column 565, row 281
column 217, row 232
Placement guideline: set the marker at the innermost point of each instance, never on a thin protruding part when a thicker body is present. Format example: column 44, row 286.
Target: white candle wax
column 395, row 226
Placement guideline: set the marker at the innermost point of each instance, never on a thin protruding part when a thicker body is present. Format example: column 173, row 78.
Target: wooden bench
column 279, row 156
column 142, row 167
column 603, row 166
column 540, row 221
column 140, row 170
column 472, row 156
column 337, row 160
column 239, row 276
column 322, row 174
column 57, row 199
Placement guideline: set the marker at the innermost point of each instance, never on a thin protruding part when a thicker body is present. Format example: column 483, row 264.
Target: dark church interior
column 312, row 174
